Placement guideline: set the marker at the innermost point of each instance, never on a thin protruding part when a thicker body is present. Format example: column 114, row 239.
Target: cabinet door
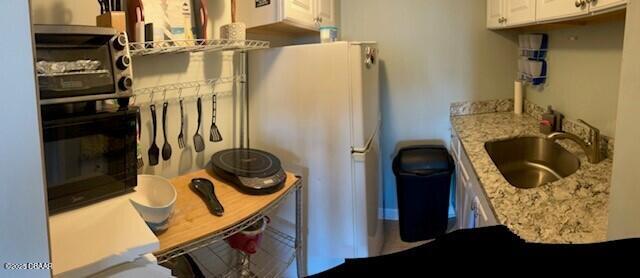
column 495, row 13
column 482, row 218
column 520, row 11
column 326, row 12
column 462, row 204
column 301, row 12
column 556, row 9
column 598, row 5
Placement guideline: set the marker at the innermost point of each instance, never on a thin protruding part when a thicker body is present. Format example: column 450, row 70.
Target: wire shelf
column 218, row 237
column 200, row 45
column 277, row 251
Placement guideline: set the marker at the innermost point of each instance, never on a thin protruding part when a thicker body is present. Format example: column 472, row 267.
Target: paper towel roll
column 517, row 98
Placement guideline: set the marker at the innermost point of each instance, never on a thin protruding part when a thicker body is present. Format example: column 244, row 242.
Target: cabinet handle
column 581, row 3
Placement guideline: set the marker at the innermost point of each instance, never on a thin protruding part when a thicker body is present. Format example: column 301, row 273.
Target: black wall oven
column 89, row 141
column 90, row 152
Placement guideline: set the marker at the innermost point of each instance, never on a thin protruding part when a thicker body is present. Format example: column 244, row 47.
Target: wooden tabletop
column 192, row 220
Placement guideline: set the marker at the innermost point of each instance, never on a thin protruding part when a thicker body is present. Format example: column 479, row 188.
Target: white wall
column 584, row 73
column 624, row 203
column 432, row 53
column 23, row 214
column 151, row 71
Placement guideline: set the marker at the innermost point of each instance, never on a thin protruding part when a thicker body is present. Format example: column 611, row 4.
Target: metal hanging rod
column 163, row 89
column 203, row 88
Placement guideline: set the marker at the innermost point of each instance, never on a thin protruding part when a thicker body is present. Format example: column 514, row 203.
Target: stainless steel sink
column 528, row 162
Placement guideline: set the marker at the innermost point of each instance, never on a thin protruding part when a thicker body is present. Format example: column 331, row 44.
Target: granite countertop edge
column 570, row 210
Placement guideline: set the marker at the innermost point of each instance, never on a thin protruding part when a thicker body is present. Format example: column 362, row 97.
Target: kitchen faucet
column 591, row 146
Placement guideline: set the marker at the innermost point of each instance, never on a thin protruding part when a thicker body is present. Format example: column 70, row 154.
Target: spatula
column 198, row 141
column 215, row 135
column 154, row 151
column 205, row 189
column 166, row 148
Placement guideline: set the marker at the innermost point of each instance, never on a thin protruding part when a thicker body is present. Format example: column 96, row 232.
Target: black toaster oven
column 82, row 63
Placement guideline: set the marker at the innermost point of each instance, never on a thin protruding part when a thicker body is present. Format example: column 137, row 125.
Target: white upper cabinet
column 556, row 9
column 520, row 11
column 507, row 13
column 599, row 5
column 326, row 12
column 287, row 14
column 495, row 13
column 300, row 11
column 510, row 13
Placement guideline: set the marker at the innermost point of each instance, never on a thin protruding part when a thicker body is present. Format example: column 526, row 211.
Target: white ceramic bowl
column 154, row 199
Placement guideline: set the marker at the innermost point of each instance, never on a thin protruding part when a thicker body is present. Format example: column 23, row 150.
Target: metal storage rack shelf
column 276, row 253
column 182, row 46
column 223, row 234
column 278, row 250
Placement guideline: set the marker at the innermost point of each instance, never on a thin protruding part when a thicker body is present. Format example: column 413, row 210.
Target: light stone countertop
column 570, row 210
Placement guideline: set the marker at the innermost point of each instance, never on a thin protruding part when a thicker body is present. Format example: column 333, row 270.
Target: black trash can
column 423, row 179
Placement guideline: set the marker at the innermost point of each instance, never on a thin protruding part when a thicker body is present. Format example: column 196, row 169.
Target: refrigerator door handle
column 361, row 151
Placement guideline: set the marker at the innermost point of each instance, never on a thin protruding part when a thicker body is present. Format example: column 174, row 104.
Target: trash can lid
column 423, row 160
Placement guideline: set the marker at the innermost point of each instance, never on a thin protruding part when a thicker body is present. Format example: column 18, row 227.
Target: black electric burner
column 251, row 171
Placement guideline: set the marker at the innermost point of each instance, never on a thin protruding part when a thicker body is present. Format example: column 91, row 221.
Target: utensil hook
column 180, row 93
column 153, row 92
column 198, row 91
column 213, row 87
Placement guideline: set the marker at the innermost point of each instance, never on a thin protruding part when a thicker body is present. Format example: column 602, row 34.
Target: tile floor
column 392, row 241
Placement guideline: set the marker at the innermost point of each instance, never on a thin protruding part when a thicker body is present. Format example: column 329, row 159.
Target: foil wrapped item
column 47, row 67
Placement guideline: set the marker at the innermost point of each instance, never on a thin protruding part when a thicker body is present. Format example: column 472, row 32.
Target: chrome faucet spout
column 591, row 146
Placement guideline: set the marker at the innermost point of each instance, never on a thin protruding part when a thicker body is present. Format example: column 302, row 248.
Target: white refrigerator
column 317, row 107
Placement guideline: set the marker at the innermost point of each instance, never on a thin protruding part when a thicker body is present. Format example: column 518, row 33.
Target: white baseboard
column 392, row 214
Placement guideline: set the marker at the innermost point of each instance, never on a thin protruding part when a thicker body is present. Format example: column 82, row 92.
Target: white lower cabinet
column 473, row 209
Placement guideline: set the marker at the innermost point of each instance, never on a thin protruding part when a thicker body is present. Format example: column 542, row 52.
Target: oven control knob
column 125, row 83
column 120, row 42
column 123, row 62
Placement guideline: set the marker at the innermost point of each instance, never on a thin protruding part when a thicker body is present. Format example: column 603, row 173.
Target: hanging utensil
column 181, row 142
column 154, row 151
column 198, row 141
column 103, row 8
column 138, row 133
column 166, row 148
column 215, row 135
